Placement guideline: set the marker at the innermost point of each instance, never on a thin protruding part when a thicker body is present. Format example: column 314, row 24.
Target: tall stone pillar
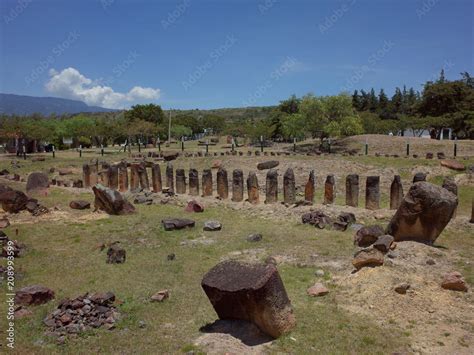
column 86, row 175
column 123, row 177
column 252, row 188
column 207, row 182
column 156, row 178
column 329, row 190
column 193, row 182
column 143, row 176
column 113, row 177
column 180, row 181
column 170, row 177
column 134, row 176
column 309, row 188
column 352, row 190
column 237, row 185
column 271, row 187
column 222, row 183
column 372, row 193
column 289, row 187
column 396, row 193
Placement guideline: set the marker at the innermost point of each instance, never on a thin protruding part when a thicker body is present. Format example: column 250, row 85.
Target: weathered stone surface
column 268, row 165
column 123, row 177
column 33, row 295
column 180, row 181
column 4, row 222
column 193, row 182
column 143, row 176
column 271, row 187
column 402, row 288
column 177, row 223
column 207, row 182
column 169, row 156
column 419, row 177
column 255, row 237
column 317, row 290
column 4, row 188
column 156, row 181
column 453, row 164
column 396, row 193
column 441, row 155
column 237, row 185
column 13, row 201
column 112, row 176
column 252, row 188
column 160, row 296
column 78, row 183
column 79, row 205
column 425, row 211
column 368, row 235
column 86, row 173
column 372, row 193
column 309, row 188
column 368, row 258
column 450, row 185
column 250, row 292
column 454, row 281
column 352, row 190
column 212, row 226
column 289, row 192
column 116, row 255
column 329, row 190
column 37, row 181
column 429, row 155
column 194, row 206
column 111, row 201
column 383, row 243
column 316, row 218
column 222, row 184
column 134, row 176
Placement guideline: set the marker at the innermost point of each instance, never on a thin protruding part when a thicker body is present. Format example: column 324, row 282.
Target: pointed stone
column 237, row 185
column 329, row 190
column 252, row 188
column 352, row 190
column 271, row 187
column 309, row 188
column 289, row 188
column 156, row 178
column 396, row 193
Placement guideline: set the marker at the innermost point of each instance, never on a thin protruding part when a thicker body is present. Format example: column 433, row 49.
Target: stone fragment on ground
column 454, row 281
column 116, row 254
column 194, row 206
column 160, row 296
column 268, row 165
column 111, row 201
column 317, row 290
column 33, row 295
column 453, row 164
column 212, row 226
column 13, row 201
column 4, row 222
column 79, row 205
column 383, row 243
column 368, row 235
column 177, row 223
column 402, row 288
column 369, row 257
column 255, row 237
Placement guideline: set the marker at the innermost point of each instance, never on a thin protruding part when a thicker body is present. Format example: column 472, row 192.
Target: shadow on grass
column 245, row 331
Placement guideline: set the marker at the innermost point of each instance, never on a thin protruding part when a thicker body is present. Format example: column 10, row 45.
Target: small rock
column 454, row 281
column 402, row 288
column 453, row 164
column 116, row 255
column 430, row 262
column 194, row 206
column 171, row 257
column 160, row 296
column 319, row 273
column 368, row 257
column 212, row 226
column 177, row 223
column 366, row 236
column 383, row 243
column 79, row 205
column 4, row 222
column 317, row 290
column 256, row 237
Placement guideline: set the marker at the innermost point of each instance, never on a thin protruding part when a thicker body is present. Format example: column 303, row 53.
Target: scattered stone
column 441, row 155
column 250, row 292
column 212, row 226
column 256, row 237
column 402, row 288
column 116, row 255
column 156, row 177
column 317, row 290
column 367, row 235
column 425, row 211
column 368, row 258
column 79, row 205
column 430, row 262
column 319, row 273
column 22, row 312
column 419, row 177
column 37, row 181
column 383, row 243
column 33, row 295
column 13, row 201
column 177, row 223
column 65, row 171
column 454, row 281
column 316, row 218
column 170, row 176
column 268, row 165
column 111, row 201
column 453, row 164
column 171, row 257
column 160, row 296
column 429, row 155
column 194, row 206
column 169, row 156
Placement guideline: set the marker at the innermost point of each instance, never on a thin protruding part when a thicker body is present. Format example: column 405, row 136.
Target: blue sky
column 227, row 53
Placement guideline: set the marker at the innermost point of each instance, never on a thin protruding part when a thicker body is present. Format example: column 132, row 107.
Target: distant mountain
column 25, row 105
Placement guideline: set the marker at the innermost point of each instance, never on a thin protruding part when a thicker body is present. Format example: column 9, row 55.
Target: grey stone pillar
column 237, row 185
column 289, row 187
column 396, row 193
column 271, row 187
column 222, row 183
column 372, row 193
column 352, row 190
column 207, row 182
column 193, row 182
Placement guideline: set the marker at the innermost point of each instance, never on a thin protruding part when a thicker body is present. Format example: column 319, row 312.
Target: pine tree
column 383, row 100
column 442, row 78
column 373, row 102
column 397, row 101
column 365, row 104
column 356, row 102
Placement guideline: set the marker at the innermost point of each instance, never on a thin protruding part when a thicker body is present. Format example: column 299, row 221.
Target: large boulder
column 33, row 295
column 37, row 181
column 13, row 201
column 111, row 201
column 250, row 292
column 425, row 210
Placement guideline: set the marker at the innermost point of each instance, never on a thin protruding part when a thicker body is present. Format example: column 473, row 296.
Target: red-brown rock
column 33, row 295
column 454, row 281
column 111, row 201
column 453, row 164
column 13, row 201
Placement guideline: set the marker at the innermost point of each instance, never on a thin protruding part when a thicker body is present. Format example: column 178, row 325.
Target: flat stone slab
column 268, row 165
column 453, row 164
column 177, row 223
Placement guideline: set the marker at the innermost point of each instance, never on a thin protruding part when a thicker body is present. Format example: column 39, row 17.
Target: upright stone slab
column 143, row 176
column 222, row 183
column 253, row 293
column 112, row 173
column 396, row 192
column 352, row 190
column 237, row 185
column 89, row 172
column 94, row 178
column 372, row 193
column 289, row 187
column 170, row 177
column 123, row 177
column 252, row 188
column 134, row 176
column 450, row 185
column 271, row 187
column 193, row 182
column 156, row 177
column 425, row 210
column 180, row 181
column 207, row 182
column 309, row 188
column 329, row 190
column 37, row 181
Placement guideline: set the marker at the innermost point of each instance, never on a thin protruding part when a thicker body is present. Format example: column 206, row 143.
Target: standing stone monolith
column 180, row 181
column 193, row 182
column 372, row 193
column 237, row 185
column 252, row 188
column 37, row 181
column 450, row 185
column 396, row 192
column 156, row 178
column 472, row 212
column 143, row 176
column 254, row 293
column 207, row 182
column 112, row 176
column 222, row 183
column 271, row 187
column 352, row 190
column 134, row 177
column 123, row 176
column 329, row 190
column 425, row 210
column 289, row 189
column 309, row 188
column 170, row 177
column 90, row 174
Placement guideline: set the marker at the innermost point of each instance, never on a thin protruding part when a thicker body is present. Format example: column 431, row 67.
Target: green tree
column 150, row 113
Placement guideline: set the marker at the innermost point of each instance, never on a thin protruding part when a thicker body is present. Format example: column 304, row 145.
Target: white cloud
column 70, row 83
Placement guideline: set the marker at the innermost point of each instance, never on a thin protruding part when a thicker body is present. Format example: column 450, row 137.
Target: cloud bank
column 71, row 84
